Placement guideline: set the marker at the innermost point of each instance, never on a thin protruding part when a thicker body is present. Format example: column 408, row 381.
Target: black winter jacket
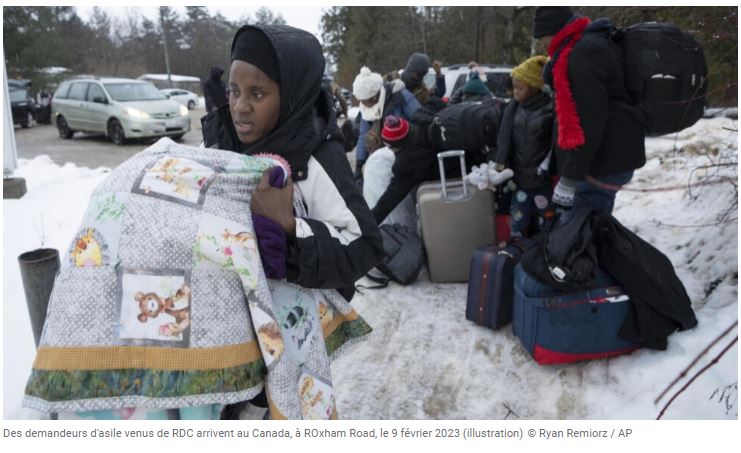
column 594, row 239
column 613, row 129
column 416, row 162
column 529, row 141
column 337, row 242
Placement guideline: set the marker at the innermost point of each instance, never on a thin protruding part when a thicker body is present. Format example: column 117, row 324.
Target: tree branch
column 683, row 373
column 704, row 369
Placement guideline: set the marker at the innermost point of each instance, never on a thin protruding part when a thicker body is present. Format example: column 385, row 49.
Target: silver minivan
column 118, row 108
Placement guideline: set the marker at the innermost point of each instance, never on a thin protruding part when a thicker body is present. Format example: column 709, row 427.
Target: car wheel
column 30, row 120
column 191, row 105
column 116, row 132
column 64, row 131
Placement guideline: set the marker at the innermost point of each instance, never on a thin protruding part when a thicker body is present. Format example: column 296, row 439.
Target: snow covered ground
column 425, row 360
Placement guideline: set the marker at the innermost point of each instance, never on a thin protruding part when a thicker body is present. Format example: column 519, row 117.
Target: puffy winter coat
column 614, row 134
column 532, row 131
column 525, row 138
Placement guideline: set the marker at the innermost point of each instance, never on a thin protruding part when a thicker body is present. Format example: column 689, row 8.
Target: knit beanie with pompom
column 395, row 131
column 367, row 84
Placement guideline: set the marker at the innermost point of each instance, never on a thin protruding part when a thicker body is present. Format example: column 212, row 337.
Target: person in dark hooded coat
column 214, row 90
column 339, row 241
column 276, row 105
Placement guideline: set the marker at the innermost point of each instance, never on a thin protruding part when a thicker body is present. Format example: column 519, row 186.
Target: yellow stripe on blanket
column 142, row 357
column 337, row 321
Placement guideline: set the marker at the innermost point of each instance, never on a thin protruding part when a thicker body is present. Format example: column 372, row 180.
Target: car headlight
column 136, row 113
column 183, row 110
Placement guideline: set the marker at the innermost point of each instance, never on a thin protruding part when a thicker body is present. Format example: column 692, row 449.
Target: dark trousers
column 525, row 204
column 592, row 196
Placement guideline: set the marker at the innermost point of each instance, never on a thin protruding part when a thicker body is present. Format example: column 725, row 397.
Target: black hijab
column 300, row 67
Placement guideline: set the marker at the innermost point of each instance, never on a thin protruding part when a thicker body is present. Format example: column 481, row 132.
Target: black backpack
column 665, row 74
column 470, row 126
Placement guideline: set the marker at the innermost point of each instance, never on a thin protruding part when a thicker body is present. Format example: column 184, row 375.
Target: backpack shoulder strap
column 382, row 282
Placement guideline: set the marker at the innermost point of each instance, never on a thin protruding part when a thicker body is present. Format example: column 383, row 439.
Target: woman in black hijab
column 277, row 106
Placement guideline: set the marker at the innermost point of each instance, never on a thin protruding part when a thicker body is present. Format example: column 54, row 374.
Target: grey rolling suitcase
column 455, row 219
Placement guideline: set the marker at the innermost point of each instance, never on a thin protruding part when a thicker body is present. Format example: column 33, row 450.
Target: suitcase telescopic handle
column 440, row 158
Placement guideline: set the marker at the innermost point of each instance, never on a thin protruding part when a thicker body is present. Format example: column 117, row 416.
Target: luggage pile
column 588, row 289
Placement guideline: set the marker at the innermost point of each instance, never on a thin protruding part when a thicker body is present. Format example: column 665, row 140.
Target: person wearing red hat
column 415, row 162
column 395, row 131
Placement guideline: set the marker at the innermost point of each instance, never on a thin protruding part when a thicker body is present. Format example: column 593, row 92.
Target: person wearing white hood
column 377, row 101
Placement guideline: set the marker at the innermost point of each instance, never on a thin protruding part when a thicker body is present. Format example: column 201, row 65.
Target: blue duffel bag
column 559, row 327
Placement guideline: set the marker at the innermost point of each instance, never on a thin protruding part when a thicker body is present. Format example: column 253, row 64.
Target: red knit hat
column 394, row 130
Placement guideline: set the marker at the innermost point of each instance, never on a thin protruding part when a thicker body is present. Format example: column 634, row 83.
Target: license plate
column 171, row 123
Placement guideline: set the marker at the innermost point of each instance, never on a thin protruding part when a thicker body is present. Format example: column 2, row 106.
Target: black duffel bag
column 470, row 126
column 404, row 256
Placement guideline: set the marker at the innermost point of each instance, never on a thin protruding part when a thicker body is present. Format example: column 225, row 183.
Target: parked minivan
column 118, row 108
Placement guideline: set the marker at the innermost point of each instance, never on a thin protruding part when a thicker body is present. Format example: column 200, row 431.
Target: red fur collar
column 570, row 132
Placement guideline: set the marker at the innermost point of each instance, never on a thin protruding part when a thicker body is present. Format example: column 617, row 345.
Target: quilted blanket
column 162, row 301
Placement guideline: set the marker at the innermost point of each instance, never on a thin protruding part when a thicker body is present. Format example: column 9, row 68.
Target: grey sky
column 305, row 17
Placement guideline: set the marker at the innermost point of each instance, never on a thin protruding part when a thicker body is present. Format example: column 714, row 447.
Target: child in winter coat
column 524, row 144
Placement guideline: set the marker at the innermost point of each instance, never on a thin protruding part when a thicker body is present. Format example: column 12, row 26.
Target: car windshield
column 18, row 95
column 128, row 92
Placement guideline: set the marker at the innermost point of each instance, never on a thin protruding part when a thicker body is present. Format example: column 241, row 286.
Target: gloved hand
column 271, row 237
column 273, row 246
column 563, row 193
column 437, row 66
